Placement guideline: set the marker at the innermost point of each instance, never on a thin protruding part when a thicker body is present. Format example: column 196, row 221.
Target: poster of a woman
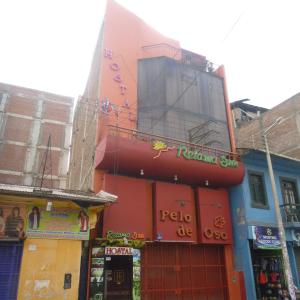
column 2, row 222
column 83, row 220
column 34, row 218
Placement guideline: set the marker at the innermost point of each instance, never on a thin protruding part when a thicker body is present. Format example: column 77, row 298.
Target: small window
column 290, row 200
column 257, row 190
column 289, row 192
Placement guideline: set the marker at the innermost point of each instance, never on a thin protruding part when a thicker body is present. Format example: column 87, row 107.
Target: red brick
column 12, row 157
column 57, row 133
column 17, row 129
column 56, row 111
column 52, row 161
column 20, row 105
column 11, row 179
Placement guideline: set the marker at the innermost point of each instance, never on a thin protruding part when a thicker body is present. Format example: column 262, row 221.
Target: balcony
column 290, row 215
column 138, row 154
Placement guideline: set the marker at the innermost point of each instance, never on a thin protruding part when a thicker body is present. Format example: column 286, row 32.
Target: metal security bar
column 170, row 142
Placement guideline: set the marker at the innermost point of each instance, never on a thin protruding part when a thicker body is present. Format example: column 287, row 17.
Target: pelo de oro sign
column 175, row 218
column 185, row 152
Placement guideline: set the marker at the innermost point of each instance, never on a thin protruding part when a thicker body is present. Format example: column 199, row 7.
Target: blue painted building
column 256, row 248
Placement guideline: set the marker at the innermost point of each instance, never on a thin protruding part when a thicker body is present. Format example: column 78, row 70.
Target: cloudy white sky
column 48, row 44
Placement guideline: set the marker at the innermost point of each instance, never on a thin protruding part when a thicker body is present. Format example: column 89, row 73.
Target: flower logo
column 160, row 147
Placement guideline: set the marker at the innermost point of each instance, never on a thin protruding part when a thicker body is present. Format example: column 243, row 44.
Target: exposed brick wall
column 21, row 105
column 57, row 112
column 284, row 138
column 85, row 129
column 40, row 158
column 10, row 179
column 57, row 133
column 24, row 131
column 12, row 157
column 83, row 145
column 17, row 129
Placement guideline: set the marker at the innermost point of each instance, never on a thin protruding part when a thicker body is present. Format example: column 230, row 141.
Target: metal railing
column 290, row 212
column 134, row 134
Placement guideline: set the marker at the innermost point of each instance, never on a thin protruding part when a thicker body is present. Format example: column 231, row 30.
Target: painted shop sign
column 216, row 232
column 128, row 235
column 266, row 237
column 118, row 251
column 59, row 223
column 183, row 151
column 183, row 230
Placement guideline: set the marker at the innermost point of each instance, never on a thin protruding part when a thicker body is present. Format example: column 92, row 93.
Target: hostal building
column 153, row 127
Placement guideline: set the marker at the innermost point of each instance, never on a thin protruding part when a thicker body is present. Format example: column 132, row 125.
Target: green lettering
column 223, row 162
column 180, row 148
column 199, row 156
column 188, row 154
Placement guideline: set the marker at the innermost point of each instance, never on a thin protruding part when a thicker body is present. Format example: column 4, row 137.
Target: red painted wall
column 214, row 216
column 133, row 210
column 175, row 218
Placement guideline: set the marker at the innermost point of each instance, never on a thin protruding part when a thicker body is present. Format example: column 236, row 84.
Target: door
column 10, row 262
column 118, row 272
column 173, row 271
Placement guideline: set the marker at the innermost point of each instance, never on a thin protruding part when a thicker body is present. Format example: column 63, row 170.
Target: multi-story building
column 28, row 118
column 44, row 229
column 243, row 112
column 285, row 140
column 154, row 128
column 43, row 233
column 256, row 239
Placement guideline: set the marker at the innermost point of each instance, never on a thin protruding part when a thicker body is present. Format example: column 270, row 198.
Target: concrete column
column 3, row 118
column 31, row 155
column 64, row 159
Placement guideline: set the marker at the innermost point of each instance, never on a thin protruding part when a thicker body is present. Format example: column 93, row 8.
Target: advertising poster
column 59, row 223
column 136, row 290
column 97, row 274
column 12, row 222
column 265, row 237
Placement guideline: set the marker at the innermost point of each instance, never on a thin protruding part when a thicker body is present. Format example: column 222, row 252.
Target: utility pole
column 285, row 256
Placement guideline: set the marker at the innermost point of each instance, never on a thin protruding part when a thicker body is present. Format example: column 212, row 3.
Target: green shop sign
column 183, row 151
column 127, row 235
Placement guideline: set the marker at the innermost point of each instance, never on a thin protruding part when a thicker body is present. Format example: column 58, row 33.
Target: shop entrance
column 173, row 271
column 118, row 272
column 268, row 273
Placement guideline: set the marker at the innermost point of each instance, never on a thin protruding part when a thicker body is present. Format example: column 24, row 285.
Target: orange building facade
column 154, row 128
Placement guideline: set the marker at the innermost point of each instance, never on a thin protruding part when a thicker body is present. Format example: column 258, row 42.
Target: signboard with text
column 59, row 223
column 175, row 213
column 265, row 237
column 118, row 251
column 214, row 216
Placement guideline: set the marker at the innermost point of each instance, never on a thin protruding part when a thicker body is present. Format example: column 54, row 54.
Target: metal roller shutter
column 10, row 261
column 183, row 272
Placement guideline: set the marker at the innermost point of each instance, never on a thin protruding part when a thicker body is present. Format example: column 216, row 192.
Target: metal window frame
column 265, row 195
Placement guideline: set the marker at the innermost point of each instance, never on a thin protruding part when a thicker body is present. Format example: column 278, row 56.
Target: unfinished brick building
column 27, row 118
column 285, row 139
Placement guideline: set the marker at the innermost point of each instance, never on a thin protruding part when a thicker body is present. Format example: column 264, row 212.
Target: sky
column 49, row 44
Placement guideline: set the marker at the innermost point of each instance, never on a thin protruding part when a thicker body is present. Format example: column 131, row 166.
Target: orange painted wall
column 125, row 34
column 44, row 264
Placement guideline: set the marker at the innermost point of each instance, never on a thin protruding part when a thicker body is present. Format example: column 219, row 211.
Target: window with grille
column 257, row 189
column 290, row 200
column 289, row 192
